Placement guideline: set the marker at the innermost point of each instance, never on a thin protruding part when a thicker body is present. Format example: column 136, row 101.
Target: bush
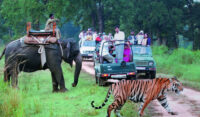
column 159, row 50
column 182, row 56
column 181, row 62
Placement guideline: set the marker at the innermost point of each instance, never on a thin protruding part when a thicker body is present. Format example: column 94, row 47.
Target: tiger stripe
column 140, row 91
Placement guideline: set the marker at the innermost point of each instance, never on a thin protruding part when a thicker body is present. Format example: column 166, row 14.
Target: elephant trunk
column 78, row 61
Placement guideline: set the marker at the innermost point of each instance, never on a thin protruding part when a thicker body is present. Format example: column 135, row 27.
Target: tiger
column 143, row 91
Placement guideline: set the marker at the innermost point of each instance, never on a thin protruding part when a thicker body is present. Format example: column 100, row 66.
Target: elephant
column 20, row 57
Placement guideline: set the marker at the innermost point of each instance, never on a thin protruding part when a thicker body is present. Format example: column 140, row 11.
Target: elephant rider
column 49, row 25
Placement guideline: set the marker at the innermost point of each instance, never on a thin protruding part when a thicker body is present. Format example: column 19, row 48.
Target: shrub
column 183, row 56
column 182, row 63
column 159, row 50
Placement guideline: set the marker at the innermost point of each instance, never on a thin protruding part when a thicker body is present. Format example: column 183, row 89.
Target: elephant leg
column 54, row 60
column 14, row 80
column 57, row 71
column 6, row 76
column 54, row 82
column 62, row 84
column 14, row 74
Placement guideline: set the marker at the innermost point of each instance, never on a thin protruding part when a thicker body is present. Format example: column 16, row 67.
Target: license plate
column 140, row 68
column 90, row 54
column 119, row 76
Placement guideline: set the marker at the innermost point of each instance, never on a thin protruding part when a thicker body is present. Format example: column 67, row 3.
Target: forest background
column 168, row 22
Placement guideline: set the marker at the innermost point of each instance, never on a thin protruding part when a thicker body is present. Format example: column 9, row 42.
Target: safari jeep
column 112, row 72
column 144, row 61
column 87, row 49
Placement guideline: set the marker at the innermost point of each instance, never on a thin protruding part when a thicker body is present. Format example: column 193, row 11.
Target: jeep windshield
column 89, row 43
column 142, row 51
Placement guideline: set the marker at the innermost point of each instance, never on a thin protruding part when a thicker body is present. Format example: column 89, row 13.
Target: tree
column 164, row 19
column 16, row 13
column 192, row 16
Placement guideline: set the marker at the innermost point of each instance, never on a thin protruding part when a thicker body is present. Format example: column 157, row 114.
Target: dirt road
column 187, row 104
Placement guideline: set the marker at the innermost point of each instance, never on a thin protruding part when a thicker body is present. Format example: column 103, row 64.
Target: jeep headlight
column 151, row 63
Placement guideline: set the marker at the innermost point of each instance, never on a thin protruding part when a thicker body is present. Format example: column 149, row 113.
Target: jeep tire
column 152, row 74
column 99, row 81
column 132, row 77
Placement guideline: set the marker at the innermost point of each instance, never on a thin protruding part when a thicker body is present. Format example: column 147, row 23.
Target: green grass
column 181, row 62
column 35, row 98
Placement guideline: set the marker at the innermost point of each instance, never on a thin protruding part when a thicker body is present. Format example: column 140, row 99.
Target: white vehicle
column 87, row 49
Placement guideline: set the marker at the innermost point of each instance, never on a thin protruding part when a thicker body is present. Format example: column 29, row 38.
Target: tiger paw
column 173, row 113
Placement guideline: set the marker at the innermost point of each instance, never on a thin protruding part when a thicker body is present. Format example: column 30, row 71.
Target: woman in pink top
column 127, row 52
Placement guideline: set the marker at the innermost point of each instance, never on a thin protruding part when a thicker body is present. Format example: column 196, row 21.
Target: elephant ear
column 69, row 60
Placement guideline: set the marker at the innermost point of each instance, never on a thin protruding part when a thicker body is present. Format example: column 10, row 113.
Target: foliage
column 163, row 19
column 15, row 14
column 182, row 63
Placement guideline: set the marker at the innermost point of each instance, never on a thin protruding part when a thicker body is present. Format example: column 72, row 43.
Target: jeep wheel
column 152, row 74
column 132, row 78
column 101, row 82
column 96, row 78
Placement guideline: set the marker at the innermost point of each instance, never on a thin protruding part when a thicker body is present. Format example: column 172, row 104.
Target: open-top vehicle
column 87, row 49
column 144, row 60
column 110, row 72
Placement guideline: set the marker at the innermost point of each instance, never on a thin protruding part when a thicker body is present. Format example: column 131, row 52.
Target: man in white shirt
column 104, row 50
column 140, row 37
column 94, row 36
column 119, row 45
column 81, row 35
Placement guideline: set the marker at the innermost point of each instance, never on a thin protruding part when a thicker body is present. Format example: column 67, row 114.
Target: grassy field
column 35, row 98
column 183, row 63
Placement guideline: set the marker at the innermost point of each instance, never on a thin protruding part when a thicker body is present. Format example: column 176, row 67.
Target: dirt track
column 187, row 104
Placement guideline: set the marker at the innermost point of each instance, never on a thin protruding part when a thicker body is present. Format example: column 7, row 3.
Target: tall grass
column 183, row 63
column 34, row 98
column 10, row 102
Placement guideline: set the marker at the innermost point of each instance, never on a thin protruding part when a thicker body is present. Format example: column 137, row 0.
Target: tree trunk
column 10, row 32
column 160, row 40
column 100, row 15
column 93, row 15
column 196, row 42
column 198, row 38
column 175, row 41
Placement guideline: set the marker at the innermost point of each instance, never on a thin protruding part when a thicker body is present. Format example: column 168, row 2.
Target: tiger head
column 175, row 85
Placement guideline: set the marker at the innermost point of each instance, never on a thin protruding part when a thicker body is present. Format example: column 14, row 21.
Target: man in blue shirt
column 132, row 38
